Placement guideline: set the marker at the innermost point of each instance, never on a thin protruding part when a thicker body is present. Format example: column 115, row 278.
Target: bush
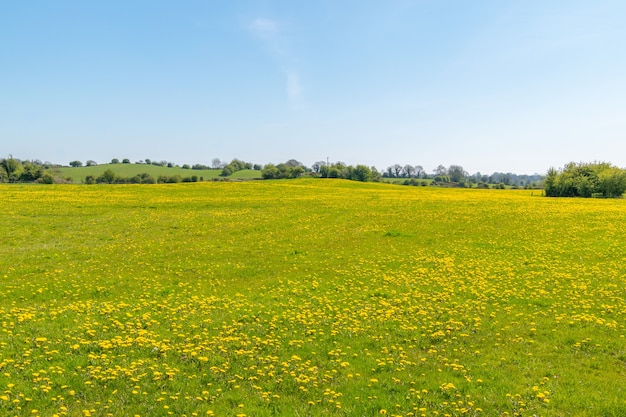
column 46, row 178
column 586, row 180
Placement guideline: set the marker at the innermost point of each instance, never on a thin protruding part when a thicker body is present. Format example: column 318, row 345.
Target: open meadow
column 310, row 297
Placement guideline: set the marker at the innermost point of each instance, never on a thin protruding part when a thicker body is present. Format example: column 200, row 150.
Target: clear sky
column 492, row 85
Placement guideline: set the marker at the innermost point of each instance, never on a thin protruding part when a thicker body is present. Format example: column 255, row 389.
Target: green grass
column 309, row 297
column 77, row 175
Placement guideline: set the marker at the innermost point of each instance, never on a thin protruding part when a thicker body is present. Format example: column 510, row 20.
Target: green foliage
column 30, row 172
column 107, row 177
column 234, row 166
column 270, row 172
column 12, row 168
column 46, row 178
column 586, row 180
column 76, row 164
column 362, row 173
column 289, row 169
column 456, row 173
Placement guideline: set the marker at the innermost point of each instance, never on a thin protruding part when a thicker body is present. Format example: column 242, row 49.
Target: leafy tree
column 612, row 182
column 456, row 173
column 46, row 178
column 91, row 163
column 216, row 163
column 270, row 171
column 408, row 171
column 31, row 172
column 376, row 176
column 126, row 161
column 107, row 177
column 419, row 171
column 12, row 168
column 317, row 166
column 362, row 173
column 397, row 170
column 76, row 164
column 227, row 171
column 115, row 161
column 440, row 170
column 297, row 171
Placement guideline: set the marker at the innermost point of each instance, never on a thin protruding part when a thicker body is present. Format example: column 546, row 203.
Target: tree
column 376, row 176
column 91, row 163
column 115, row 161
column 362, row 173
column 397, row 170
column 216, row 163
column 31, row 172
column 227, row 171
column 612, row 182
column 294, row 163
column 419, row 171
column 456, row 173
column 440, row 170
column 76, row 164
column 297, row 171
column 270, row 172
column 126, row 161
column 107, row 177
column 12, row 168
column 317, row 166
column 408, row 171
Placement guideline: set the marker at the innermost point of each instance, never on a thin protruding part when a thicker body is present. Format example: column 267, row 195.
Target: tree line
column 597, row 179
column 15, row 170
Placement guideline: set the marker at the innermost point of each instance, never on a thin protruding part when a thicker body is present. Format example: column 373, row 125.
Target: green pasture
column 309, row 297
column 79, row 174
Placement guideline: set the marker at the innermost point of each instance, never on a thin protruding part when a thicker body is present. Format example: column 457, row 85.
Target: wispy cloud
column 276, row 42
column 294, row 88
column 266, row 29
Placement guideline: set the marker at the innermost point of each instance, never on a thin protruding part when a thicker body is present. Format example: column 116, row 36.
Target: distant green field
column 309, row 297
column 402, row 180
column 130, row 170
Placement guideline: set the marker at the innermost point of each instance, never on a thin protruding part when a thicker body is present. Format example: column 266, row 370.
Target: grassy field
column 310, row 297
column 78, row 175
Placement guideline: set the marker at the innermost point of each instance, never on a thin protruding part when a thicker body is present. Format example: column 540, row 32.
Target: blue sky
column 514, row 86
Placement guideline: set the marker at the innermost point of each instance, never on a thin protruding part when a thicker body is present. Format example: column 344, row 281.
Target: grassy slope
column 130, row 170
column 310, row 297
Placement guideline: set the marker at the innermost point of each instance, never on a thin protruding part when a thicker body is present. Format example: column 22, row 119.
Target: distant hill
column 78, row 174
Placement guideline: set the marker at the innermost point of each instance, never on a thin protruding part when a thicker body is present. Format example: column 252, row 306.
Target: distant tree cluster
column 234, row 166
column 14, row 170
column 597, row 179
column 406, row 171
column 456, row 176
column 348, row 172
column 109, row 177
column 289, row 169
